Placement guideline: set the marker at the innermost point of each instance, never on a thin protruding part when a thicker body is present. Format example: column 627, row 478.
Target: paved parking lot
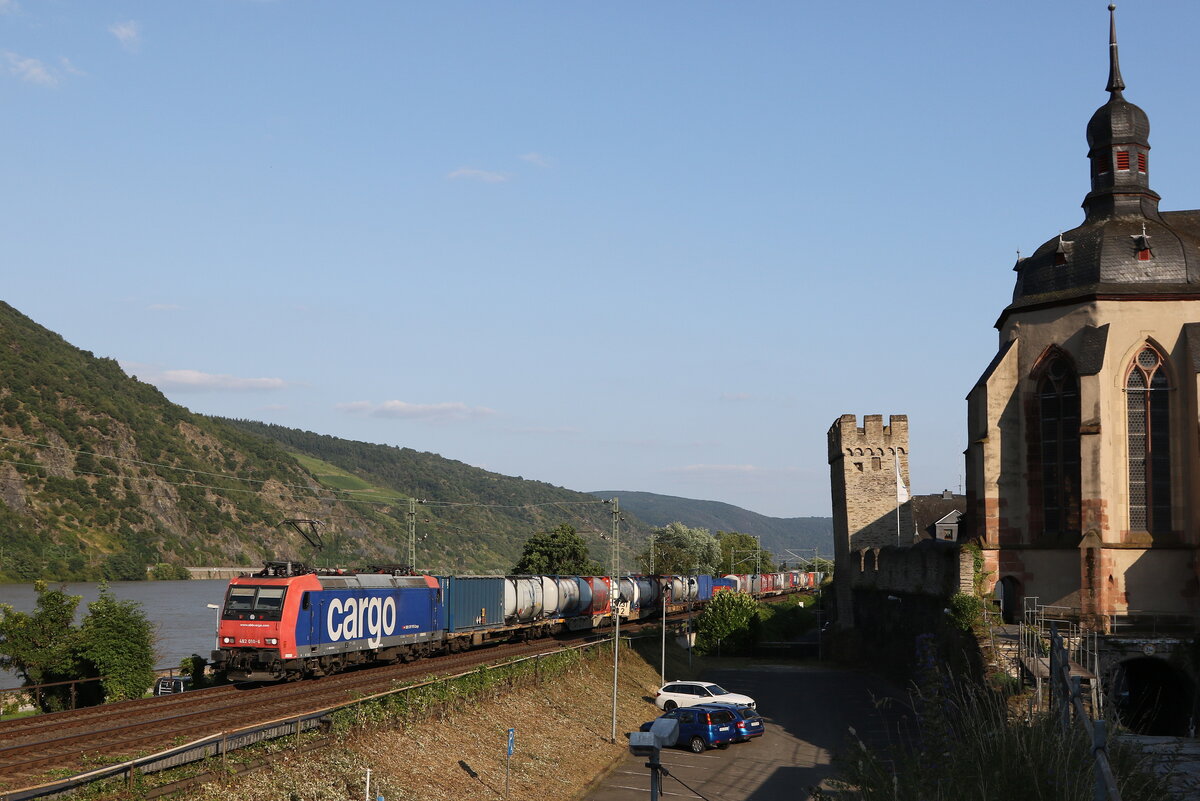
column 808, row 709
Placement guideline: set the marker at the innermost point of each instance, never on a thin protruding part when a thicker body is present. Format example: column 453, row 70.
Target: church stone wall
column 1107, row 568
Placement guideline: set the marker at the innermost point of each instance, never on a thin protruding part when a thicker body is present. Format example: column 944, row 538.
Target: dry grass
column 562, row 745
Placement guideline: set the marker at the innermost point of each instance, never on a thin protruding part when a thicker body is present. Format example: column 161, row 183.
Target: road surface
column 808, row 711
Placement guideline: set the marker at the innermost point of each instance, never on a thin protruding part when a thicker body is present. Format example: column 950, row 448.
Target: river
column 184, row 625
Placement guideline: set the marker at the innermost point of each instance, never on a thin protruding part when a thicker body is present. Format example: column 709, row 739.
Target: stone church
column 1083, row 462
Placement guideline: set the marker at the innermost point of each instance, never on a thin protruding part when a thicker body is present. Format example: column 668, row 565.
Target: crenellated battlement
column 873, row 438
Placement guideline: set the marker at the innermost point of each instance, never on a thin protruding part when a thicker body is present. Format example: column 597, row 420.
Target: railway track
column 68, row 743
column 75, row 741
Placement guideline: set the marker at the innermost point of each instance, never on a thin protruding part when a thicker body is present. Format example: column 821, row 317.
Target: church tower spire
column 1115, row 84
column 1118, row 138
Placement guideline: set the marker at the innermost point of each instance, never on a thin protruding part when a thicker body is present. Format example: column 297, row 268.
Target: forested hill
column 101, row 475
column 471, row 519
column 778, row 533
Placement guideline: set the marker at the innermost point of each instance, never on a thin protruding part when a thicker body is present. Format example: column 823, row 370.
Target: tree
column 727, row 623
column 676, row 549
column 117, row 640
column 559, row 552
column 43, row 647
column 739, row 552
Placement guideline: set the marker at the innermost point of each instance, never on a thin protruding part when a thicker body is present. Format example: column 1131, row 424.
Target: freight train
column 290, row 622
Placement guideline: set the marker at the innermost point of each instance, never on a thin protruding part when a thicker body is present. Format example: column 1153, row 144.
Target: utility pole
column 412, row 534
column 615, row 594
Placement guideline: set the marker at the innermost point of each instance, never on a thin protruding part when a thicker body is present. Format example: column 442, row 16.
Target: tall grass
column 967, row 747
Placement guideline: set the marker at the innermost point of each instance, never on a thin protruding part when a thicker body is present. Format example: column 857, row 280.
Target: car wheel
column 670, row 706
column 698, row 745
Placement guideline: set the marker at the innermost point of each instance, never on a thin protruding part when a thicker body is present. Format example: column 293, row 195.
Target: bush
column 123, row 566
column 966, row 611
column 165, row 571
column 725, row 623
column 118, row 640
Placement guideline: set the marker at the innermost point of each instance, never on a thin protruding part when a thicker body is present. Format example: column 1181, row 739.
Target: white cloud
column 29, row 70
column 715, row 468
column 547, row 430
column 196, row 381
column 128, row 33
column 472, row 174
column 538, row 159
column 416, row 411
column 68, row 67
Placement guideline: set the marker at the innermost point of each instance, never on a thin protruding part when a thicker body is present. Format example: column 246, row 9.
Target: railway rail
column 39, row 748
column 77, row 740
column 73, row 741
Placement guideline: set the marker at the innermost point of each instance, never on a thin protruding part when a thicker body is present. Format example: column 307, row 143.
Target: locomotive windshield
column 254, row 603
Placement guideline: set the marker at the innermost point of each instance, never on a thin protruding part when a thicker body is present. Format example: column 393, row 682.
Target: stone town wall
column 931, row 567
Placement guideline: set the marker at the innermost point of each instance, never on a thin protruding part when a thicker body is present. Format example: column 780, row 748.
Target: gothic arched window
column 1147, row 403
column 1058, row 420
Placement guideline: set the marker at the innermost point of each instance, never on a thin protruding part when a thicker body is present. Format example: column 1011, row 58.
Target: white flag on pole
column 901, row 490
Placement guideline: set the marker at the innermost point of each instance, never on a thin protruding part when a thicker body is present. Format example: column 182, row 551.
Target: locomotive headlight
column 272, row 641
column 227, row 640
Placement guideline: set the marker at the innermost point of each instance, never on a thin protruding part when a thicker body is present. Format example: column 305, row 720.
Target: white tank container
column 629, row 592
column 522, row 598
column 551, row 598
column 568, row 595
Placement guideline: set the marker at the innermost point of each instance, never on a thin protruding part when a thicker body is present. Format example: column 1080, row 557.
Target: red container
column 601, row 592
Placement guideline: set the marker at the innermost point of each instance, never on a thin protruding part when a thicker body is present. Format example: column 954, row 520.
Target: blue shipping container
column 473, row 603
column 704, row 588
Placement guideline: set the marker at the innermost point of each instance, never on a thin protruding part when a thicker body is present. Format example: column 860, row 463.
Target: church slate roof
column 1125, row 246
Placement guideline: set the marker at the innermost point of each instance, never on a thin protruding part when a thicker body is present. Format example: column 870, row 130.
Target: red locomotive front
column 258, row 624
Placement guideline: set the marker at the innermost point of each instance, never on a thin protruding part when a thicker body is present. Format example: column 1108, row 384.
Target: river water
column 183, row 622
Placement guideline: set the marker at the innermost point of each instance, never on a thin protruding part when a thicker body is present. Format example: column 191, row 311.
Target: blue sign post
column 512, row 740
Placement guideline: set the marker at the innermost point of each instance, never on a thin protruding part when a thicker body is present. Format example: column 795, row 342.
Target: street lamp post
column 217, row 630
column 615, row 594
column 663, row 671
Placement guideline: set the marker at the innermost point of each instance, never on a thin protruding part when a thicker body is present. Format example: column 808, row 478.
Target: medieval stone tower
column 863, row 478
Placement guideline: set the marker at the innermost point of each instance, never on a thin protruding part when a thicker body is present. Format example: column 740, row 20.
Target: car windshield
column 713, row 689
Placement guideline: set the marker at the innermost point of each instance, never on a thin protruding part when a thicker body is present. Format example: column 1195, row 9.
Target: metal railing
column 31, row 694
column 1067, row 703
column 1082, row 648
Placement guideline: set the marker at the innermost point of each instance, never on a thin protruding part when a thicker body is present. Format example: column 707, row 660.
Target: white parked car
column 688, row 693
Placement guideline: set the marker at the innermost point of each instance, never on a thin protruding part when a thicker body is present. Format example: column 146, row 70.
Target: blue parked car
column 749, row 723
column 703, row 726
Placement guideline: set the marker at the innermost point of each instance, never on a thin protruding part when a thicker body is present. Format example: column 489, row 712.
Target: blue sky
column 652, row 246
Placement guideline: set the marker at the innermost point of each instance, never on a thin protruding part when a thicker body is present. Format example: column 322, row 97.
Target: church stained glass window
column 1147, row 402
column 1058, row 421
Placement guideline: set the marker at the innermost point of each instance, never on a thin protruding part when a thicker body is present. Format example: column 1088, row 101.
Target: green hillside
column 470, row 519
column 779, row 534
column 101, row 475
